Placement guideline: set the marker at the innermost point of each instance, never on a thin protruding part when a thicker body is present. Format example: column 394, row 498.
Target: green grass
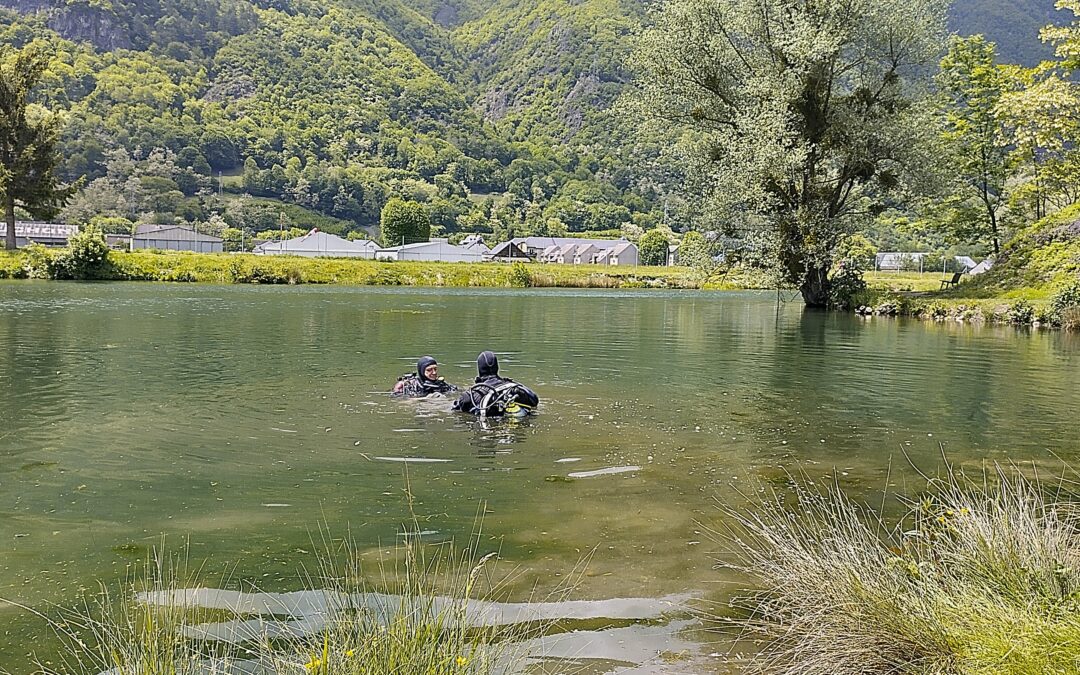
column 980, row 577
column 183, row 266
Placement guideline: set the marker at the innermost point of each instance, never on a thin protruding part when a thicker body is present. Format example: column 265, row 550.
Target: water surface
column 238, row 419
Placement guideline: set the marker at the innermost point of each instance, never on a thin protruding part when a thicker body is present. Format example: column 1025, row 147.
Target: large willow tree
column 810, row 112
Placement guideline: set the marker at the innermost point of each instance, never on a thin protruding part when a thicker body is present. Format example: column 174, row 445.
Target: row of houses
column 564, row 250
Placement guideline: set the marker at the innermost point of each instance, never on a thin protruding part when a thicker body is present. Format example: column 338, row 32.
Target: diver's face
column 432, row 372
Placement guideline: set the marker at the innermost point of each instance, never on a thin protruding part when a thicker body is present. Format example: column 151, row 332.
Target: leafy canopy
column 806, row 113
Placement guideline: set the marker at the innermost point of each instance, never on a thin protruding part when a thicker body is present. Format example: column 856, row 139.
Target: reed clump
column 979, row 577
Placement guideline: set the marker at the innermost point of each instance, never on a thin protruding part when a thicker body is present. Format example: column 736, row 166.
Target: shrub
column 1021, row 313
column 1063, row 298
column 519, row 276
column 653, row 248
column 37, row 262
column 846, row 285
column 86, row 257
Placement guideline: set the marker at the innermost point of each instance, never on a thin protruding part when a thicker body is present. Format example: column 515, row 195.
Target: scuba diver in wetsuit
column 494, row 396
column 424, row 382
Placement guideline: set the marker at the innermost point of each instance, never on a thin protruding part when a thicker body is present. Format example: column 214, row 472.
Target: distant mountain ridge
column 1013, row 24
column 336, row 105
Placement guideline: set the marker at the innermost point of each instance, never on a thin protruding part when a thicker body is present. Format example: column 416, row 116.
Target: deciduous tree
column 977, row 144
column 28, row 139
column 807, row 113
column 404, row 222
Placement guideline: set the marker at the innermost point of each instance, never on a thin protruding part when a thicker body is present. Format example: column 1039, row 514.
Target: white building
column 474, row 242
column 316, row 244
column 896, row 260
column 49, row 234
column 175, row 238
column 574, row 251
column 436, row 250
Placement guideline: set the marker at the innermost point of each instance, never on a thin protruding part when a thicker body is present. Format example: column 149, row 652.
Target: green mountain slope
column 1013, row 24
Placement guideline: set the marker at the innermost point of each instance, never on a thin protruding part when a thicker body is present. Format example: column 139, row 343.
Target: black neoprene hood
column 422, row 365
column 487, row 364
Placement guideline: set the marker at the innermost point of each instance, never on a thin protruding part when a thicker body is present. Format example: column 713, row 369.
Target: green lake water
column 241, row 419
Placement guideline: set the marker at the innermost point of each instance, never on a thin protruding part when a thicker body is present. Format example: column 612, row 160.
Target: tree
column 28, row 140
column 404, row 222
column 806, row 113
column 976, row 142
column 653, row 248
column 695, row 251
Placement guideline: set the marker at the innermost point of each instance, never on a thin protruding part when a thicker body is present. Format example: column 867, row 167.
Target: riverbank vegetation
column 980, row 576
column 183, row 266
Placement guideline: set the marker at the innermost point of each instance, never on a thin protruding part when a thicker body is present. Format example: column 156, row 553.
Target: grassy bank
column 179, row 266
column 1035, row 281
column 981, row 577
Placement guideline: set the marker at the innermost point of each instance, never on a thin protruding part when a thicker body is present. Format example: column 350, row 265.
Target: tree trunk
column 10, row 243
column 815, row 287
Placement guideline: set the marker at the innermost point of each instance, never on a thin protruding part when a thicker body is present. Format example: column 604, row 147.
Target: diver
column 494, row 396
column 424, row 382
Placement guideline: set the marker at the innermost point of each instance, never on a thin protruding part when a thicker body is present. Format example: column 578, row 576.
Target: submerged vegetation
column 981, row 576
column 410, row 615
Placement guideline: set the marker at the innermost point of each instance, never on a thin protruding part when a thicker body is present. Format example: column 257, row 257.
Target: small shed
column 508, row 251
column 175, row 238
column 316, row 244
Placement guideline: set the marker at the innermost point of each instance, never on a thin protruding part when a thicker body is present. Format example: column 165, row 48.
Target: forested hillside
column 1013, row 24
column 497, row 115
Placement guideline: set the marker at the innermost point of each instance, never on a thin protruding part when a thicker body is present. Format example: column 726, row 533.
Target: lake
column 237, row 421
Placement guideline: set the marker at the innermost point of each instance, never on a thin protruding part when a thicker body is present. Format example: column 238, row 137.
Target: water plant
column 411, row 613
column 979, row 576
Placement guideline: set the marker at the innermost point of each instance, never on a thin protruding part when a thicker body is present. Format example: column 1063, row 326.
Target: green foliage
column 695, row 251
column 857, row 252
column 847, row 286
column 28, row 140
column 85, row 258
column 519, row 276
column 799, row 92
column 975, row 139
column 37, row 262
column 1064, row 299
column 404, row 222
column 653, row 248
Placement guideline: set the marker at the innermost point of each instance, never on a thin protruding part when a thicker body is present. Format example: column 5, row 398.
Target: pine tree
column 28, row 140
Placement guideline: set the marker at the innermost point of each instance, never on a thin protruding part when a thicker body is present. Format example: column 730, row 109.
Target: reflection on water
column 240, row 418
column 647, row 635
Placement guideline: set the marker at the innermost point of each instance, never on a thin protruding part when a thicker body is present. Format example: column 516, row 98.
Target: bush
column 1064, row 298
column 37, row 262
column 519, row 276
column 846, row 285
column 1021, row 313
column 86, row 257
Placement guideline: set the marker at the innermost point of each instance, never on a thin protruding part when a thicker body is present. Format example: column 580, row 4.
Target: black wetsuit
column 417, row 385
column 490, row 394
